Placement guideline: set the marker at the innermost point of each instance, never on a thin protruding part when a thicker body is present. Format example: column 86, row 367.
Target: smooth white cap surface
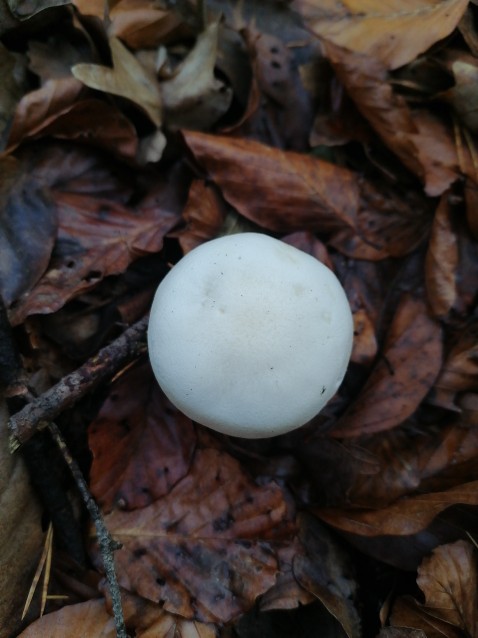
column 250, row 336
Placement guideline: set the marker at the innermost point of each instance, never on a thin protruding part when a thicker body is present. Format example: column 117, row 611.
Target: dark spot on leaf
column 223, row 523
column 139, row 552
column 161, row 582
column 275, row 65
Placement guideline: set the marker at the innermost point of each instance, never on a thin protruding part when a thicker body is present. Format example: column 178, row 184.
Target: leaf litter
column 131, row 133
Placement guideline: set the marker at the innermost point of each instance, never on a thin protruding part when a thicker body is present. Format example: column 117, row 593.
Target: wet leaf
column 410, row 363
column 395, row 32
column 128, row 79
column 204, row 549
column 141, row 445
column 28, row 223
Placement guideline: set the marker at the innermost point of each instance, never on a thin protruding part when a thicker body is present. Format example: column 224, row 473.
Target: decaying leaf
column 203, row 550
column 141, row 445
column 92, row 236
column 410, row 363
column 128, row 79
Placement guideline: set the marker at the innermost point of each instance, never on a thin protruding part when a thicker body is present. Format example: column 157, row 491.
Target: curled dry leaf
column 194, row 97
column 204, row 549
column 39, row 108
column 128, row 79
column 141, row 445
column 449, row 582
column 418, row 138
column 394, row 32
column 411, row 361
column 405, row 517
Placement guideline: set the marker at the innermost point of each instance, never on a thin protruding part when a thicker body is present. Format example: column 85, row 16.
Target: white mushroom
column 250, row 336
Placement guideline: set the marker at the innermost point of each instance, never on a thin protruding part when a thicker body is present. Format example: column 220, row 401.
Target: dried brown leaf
column 75, row 621
column 139, row 24
column 325, row 572
column 204, row 215
column 448, row 579
column 411, row 361
column 405, row 517
column 394, row 32
column 150, row 620
column 39, row 108
column 96, row 238
column 194, row 97
column 420, row 140
column 442, row 261
column 282, row 191
column 94, row 122
column 460, row 370
column 141, row 445
column 203, row 549
column 21, row 534
column 128, row 79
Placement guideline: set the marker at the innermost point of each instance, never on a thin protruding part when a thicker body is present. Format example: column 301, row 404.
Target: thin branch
column 74, row 386
column 105, row 541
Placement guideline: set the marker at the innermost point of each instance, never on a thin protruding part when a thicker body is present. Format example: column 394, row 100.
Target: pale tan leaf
column 393, row 31
column 194, row 98
column 128, row 79
column 83, row 620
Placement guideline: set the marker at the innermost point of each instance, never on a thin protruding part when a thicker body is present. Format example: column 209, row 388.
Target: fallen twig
column 74, row 386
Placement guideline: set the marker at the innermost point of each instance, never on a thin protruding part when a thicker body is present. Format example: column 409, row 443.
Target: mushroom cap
column 250, row 336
